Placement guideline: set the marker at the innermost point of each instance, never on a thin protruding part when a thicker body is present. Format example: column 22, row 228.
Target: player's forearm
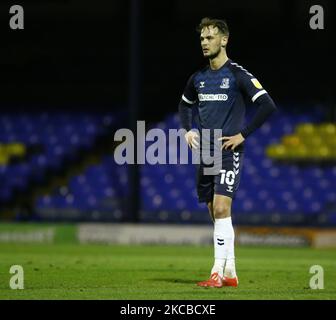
column 265, row 109
column 185, row 112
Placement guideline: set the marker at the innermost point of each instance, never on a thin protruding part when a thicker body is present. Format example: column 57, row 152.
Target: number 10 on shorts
column 228, row 178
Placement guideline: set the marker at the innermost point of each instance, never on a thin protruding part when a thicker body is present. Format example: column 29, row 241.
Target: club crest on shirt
column 225, row 83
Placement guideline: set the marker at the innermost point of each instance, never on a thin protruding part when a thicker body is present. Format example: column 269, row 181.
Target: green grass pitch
column 73, row 271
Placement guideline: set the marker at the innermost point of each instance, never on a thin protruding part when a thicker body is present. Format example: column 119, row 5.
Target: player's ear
column 225, row 40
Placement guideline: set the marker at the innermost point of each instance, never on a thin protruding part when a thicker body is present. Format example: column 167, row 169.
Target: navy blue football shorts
column 224, row 180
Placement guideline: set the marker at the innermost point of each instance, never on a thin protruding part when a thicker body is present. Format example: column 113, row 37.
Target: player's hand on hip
column 232, row 142
column 191, row 138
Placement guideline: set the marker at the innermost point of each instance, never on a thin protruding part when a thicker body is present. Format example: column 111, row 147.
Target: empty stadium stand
column 280, row 184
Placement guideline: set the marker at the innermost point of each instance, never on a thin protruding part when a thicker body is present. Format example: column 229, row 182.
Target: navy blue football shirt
column 221, row 96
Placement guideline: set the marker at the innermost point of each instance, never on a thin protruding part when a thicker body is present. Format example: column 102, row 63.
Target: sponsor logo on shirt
column 212, row 97
column 202, row 84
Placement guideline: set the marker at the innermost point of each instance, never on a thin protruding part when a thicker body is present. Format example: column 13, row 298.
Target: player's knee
column 222, row 211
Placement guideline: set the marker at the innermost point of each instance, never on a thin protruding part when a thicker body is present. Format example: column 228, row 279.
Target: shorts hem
column 205, row 200
column 227, row 194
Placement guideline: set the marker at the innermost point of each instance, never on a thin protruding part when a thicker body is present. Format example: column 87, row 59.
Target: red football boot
column 230, row 282
column 215, row 281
